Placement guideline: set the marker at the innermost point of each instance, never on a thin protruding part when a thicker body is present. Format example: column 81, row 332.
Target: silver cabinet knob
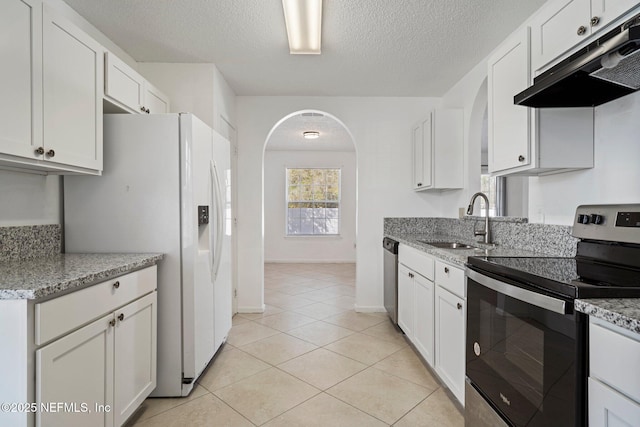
column 147, row 111
column 112, row 322
column 143, row 109
column 521, row 158
column 459, row 306
column 581, row 30
column 121, row 317
column 39, row 151
column 446, row 270
column 595, row 21
column 116, row 285
column 419, row 184
column 51, row 153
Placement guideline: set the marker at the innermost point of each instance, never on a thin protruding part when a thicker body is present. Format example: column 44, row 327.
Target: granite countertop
column 623, row 312
column 457, row 256
column 34, row 279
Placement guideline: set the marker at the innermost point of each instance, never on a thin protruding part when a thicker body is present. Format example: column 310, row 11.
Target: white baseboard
column 369, row 309
column 251, row 309
column 309, row 261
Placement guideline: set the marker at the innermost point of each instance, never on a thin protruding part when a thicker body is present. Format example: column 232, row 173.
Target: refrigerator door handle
column 217, row 199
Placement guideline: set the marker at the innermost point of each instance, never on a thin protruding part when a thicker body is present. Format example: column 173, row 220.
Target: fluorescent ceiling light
column 304, row 25
column 311, row 134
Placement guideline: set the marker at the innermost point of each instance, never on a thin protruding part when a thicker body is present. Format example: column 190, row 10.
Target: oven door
column 525, row 352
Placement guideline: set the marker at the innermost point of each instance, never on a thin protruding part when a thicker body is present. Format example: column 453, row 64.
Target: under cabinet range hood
column 606, row 69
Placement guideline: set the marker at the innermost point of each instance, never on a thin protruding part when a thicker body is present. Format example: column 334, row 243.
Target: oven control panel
column 616, row 223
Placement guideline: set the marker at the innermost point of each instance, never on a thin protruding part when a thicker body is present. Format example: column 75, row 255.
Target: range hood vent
column 606, row 69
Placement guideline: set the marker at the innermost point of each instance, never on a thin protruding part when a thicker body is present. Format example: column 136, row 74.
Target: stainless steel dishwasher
column 390, row 249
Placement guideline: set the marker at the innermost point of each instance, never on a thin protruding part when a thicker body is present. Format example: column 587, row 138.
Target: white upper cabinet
column 51, row 80
column 523, row 140
column 21, row 77
column 72, row 86
column 509, row 127
column 563, row 24
column 438, row 159
column 128, row 90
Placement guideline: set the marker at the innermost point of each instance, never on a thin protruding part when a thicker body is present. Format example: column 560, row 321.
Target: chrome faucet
column 486, row 233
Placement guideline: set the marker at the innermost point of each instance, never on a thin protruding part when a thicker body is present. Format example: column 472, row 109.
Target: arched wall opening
column 287, row 240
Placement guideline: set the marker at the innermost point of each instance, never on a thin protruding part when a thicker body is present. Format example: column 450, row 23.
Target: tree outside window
column 313, row 202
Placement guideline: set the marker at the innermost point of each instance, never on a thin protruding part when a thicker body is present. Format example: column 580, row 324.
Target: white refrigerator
column 165, row 188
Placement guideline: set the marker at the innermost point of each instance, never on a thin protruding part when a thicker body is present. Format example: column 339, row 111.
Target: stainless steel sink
column 448, row 245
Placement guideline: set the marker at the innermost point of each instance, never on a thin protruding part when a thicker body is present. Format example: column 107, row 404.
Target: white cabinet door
column 447, row 164
column 21, row 78
column 418, row 165
column 405, row 301
column 450, row 340
column 73, row 87
column 77, row 369
column 608, row 408
column 135, row 355
column 559, row 27
column 122, row 84
column 604, row 12
column 509, row 124
column 424, row 317
column 154, row 100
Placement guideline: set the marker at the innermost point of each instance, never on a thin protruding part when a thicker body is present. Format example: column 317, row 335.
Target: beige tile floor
column 310, row 360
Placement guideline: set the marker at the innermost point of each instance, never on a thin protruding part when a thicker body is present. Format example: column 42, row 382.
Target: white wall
column 280, row 248
column 28, row 199
column 195, row 88
column 381, row 131
column 615, row 177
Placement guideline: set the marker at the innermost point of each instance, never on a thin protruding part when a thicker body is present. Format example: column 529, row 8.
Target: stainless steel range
column 526, row 349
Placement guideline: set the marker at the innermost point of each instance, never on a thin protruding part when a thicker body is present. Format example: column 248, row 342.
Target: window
column 313, row 202
column 494, row 188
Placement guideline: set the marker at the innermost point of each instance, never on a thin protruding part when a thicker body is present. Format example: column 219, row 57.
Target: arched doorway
column 309, row 213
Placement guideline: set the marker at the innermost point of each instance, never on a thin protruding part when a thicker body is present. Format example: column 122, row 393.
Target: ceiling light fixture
column 311, row 134
column 304, row 25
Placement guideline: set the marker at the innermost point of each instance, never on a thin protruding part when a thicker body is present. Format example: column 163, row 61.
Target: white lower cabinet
column 432, row 313
column 614, row 388
column 103, row 370
column 406, row 308
column 424, row 327
column 77, row 370
column 450, row 340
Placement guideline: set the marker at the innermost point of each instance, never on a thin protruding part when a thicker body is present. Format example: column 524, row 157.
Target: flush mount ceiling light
column 304, row 25
column 311, row 134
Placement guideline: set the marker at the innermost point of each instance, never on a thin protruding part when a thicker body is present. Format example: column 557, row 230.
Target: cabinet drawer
column 615, row 359
column 58, row 316
column 416, row 260
column 450, row 278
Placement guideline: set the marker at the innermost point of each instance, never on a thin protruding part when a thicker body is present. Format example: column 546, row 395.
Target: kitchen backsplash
column 30, row 241
column 510, row 232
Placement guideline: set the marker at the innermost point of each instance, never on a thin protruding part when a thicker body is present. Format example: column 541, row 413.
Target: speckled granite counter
column 29, row 279
column 456, row 256
column 623, row 312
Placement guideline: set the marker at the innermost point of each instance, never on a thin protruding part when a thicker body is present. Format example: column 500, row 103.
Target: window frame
column 286, row 202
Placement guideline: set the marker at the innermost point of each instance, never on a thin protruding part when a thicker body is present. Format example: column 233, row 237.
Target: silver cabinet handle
column 446, row 270
column 121, row 317
column 116, row 285
column 112, row 322
column 51, row 153
column 595, row 21
column 142, row 109
column 581, row 30
column 521, row 158
column 419, row 184
column 459, row 306
column 39, row 151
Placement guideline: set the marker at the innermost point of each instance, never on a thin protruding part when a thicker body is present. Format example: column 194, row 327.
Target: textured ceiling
column 369, row 47
column 288, row 135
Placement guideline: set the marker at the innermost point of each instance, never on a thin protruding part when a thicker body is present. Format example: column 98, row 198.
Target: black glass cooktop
column 567, row 277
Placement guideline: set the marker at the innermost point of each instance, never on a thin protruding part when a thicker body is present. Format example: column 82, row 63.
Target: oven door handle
column 543, row 301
